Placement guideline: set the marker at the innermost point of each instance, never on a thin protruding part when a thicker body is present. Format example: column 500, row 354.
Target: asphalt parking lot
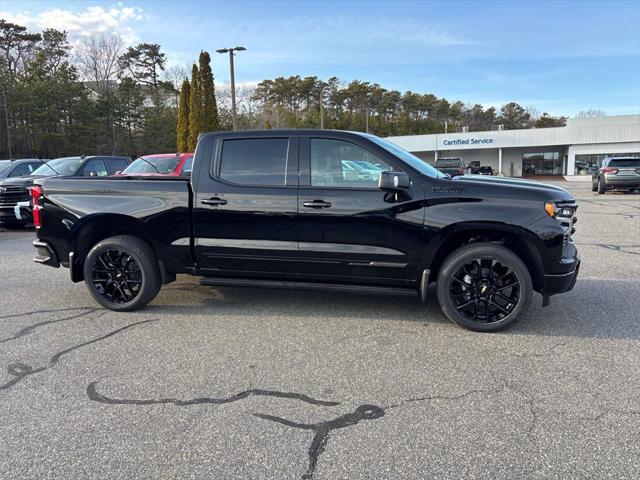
column 230, row 383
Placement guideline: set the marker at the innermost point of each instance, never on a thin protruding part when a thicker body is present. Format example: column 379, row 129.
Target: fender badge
column 440, row 189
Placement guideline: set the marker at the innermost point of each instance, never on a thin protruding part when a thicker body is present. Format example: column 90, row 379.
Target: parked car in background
column 617, row 173
column 175, row 164
column 15, row 204
column 272, row 209
column 485, row 170
column 453, row 166
column 19, row 168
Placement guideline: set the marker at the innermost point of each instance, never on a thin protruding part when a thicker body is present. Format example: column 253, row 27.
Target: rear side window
column 94, row 168
column 630, row 162
column 116, row 165
column 256, row 161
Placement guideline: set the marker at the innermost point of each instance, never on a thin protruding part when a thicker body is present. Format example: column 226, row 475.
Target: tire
column 594, row 187
column 601, row 188
column 476, row 259
column 13, row 224
column 122, row 273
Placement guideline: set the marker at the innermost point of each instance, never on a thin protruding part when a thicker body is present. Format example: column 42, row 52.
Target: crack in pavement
column 56, row 310
column 20, row 371
column 322, row 430
column 94, row 395
column 617, row 248
column 35, row 326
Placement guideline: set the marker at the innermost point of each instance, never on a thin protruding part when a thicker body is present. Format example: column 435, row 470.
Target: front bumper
column 45, row 254
column 561, row 283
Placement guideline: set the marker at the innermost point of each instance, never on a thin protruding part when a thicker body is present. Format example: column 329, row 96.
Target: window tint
column 258, row 161
column 629, row 162
column 116, row 165
column 95, row 165
column 337, row 163
column 448, row 162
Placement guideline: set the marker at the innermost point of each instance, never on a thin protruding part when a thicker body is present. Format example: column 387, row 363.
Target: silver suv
column 617, row 173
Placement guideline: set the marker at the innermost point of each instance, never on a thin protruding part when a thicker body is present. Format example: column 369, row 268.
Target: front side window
column 255, row 161
column 338, row 163
column 188, row 165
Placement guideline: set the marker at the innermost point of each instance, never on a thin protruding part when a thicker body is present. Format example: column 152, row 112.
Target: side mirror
column 118, row 172
column 394, row 181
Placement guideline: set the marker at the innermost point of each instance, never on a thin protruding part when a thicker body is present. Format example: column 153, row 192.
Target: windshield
column 166, row 164
column 4, row 164
column 413, row 161
column 59, row 166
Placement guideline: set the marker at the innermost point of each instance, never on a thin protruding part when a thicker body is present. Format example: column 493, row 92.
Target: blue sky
column 556, row 56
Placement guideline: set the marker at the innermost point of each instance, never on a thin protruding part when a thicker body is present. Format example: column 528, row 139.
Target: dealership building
column 568, row 150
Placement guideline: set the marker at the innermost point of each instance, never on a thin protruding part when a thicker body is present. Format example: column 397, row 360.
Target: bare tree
column 97, row 58
column 175, row 75
column 591, row 112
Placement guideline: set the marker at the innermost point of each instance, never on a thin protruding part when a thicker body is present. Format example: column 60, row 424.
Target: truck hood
column 21, row 181
column 553, row 191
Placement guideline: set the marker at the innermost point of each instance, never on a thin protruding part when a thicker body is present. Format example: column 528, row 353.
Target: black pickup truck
column 279, row 209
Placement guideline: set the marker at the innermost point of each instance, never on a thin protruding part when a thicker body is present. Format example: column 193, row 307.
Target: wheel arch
column 91, row 229
column 517, row 239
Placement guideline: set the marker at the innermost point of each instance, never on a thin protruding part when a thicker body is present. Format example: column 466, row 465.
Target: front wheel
column 122, row 273
column 484, row 287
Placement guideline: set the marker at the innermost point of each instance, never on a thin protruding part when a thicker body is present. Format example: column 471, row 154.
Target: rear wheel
column 122, row 273
column 484, row 287
column 601, row 188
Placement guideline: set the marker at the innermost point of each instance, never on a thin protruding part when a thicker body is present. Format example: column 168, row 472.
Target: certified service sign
column 469, row 141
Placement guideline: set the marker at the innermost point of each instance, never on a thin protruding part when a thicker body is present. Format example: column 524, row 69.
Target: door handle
column 214, row 201
column 317, row 204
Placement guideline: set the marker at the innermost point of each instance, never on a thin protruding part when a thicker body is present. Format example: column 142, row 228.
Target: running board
column 292, row 285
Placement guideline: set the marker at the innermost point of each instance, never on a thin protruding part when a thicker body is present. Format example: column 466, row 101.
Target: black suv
column 281, row 209
column 15, row 205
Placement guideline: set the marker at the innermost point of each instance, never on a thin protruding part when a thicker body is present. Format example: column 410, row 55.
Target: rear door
column 349, row 229
column 245, row 207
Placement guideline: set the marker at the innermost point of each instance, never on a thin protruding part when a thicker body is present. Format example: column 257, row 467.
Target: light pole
column 233, row 81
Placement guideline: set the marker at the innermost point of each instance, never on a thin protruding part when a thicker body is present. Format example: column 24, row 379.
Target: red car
column 174, row 164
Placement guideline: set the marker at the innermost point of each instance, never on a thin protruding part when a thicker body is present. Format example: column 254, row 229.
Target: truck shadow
column 593, row 309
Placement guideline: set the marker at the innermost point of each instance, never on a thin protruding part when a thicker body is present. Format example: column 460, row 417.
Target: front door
column 350, row 231
column 245, row 208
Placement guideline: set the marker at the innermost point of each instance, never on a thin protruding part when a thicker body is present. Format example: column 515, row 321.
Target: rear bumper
column 46, row 255
column 631, row 181
column 561, row 283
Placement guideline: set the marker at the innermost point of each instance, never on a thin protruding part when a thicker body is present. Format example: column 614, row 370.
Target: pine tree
column 182, row 128
column 209, row 113
column 194, row 110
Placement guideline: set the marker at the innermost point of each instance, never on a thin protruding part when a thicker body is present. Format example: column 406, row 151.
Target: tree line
column 100, row 96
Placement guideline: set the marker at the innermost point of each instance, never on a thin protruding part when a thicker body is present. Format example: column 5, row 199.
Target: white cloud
column 90, row 21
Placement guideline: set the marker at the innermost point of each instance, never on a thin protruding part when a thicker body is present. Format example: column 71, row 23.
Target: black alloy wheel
column 116, row 276
column 122, row 273
column 485, row 290
column 484, row 286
